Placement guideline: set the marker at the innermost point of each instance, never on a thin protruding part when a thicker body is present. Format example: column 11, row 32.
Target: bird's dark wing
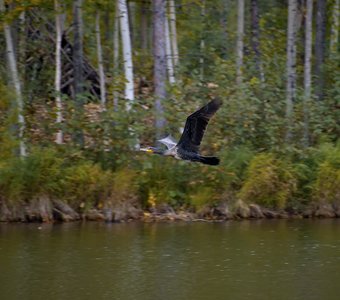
column 195, row 126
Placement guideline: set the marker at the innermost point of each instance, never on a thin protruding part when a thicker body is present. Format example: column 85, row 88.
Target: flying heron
column 188, row 145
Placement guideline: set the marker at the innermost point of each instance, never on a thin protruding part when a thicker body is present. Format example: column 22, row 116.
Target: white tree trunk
column 169, row 60
column 57, row 83
column 335, row 28
column 15, row 81
column 291, row 71
column 100, row 63
column 239, row 47
column 127, row 53
column 173, row 31
column 307, row 69
column 116, row 54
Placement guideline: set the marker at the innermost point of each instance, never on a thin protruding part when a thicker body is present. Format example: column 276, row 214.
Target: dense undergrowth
column 291, row 183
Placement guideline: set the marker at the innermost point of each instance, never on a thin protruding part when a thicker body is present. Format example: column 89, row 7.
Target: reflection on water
column 281, row 259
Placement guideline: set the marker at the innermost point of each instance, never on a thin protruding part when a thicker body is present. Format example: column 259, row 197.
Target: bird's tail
column 209, row 160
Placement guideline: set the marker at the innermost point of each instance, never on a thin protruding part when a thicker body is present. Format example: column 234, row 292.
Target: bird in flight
column 188, row 145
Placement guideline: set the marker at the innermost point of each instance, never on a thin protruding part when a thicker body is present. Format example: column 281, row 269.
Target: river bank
column 42, row 209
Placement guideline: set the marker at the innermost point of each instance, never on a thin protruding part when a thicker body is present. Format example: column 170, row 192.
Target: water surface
column 278, row 259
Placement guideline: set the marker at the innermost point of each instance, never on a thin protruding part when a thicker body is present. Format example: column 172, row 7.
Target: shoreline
column 42, row 210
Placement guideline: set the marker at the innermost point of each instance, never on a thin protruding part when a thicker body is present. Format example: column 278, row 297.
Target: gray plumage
column 188, row 145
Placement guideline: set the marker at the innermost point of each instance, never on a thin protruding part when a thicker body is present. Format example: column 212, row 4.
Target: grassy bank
column 54, row 184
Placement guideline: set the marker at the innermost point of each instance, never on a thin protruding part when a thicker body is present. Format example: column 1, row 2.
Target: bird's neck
column 158, row 151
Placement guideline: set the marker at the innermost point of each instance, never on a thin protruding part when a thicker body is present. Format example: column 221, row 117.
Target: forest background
column 84, row 83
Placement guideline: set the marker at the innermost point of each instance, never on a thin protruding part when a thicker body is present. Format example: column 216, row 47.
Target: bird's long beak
column 146, row 150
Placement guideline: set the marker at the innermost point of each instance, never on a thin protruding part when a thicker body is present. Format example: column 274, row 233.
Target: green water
column 281, row 259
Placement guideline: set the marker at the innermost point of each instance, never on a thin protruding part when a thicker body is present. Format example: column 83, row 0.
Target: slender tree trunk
column 291, row 71
column 173, row 31
column 307, row 71
column 169, row 60
column 144, row 26
column 224, row 24
column 335, row 29
column 255, row 38
column 107, row 37
column 100, row 63
column 78, row 51
column 131, row 8
column 58, row 70
column 78, row 60
column 127, row 52
column 159, row 61
column 15, row 81
column 116, row 54
column 320, row 44
column 239, row 47
column 202, row 44
column 22, row 44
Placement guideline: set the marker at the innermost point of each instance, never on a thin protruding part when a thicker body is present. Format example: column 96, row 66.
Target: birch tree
column 169, row 56
column 290, row 66
column 127, row 52
column 58, row 70
column 239, row 46
column 100, row 62
column 320, row 45
column 14, row 75
column 116, row 54
column 335, row 28
column 173, row 31
column 307, row 68
column 159, row 61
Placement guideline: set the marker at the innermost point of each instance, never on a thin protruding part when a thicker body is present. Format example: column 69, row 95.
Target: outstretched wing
column 168, row 141
column 195, row 126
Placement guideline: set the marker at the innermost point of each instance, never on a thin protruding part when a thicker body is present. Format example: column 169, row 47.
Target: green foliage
column 84, row 184
column 201, row 197
column 38, row 174
column 124, row 187
column 163, row 180
column 269, row 182
column 234, row 163
column 327, row 183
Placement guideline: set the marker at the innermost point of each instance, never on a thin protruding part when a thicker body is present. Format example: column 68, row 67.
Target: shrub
column 85, row 183
column 164, row 180
column 202, row 197
column 327, row 183
column 37, row 174
column 124, row 186
column 233, row 164
column 269, row 181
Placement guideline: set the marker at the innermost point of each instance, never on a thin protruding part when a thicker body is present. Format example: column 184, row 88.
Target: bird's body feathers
column 187, row 147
